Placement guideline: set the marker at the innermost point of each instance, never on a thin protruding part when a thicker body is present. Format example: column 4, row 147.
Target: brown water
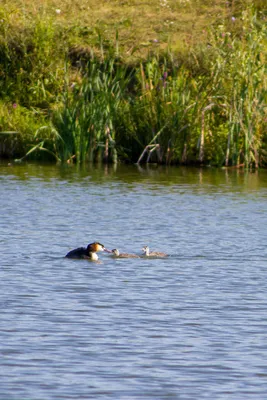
column 192, row 326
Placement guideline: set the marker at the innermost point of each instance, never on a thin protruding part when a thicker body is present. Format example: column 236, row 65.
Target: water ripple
column 192, row 326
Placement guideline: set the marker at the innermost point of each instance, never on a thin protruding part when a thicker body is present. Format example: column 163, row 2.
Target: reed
column 165, row 99
column 85, row 120
column 81, row 104
column 241, row 65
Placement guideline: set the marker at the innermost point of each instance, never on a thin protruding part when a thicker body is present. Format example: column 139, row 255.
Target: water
column 193, row 326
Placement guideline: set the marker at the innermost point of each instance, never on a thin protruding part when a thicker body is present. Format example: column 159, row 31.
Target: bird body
column 80, row 252
column 117, row 254
column 88, row 252
column 148, row 253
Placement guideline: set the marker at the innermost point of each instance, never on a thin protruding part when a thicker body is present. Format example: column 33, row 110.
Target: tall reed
column 241, row 64
column 85, row 120
column 161, row 110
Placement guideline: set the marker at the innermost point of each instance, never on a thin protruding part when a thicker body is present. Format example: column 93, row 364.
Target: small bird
column 88, row 252
column 149, row 253
column 117, row 254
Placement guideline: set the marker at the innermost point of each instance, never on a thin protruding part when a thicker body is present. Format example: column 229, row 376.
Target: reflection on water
column 227, row 179
column 191, row 326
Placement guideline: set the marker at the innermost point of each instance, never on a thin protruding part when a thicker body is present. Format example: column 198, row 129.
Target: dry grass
column 142, row 25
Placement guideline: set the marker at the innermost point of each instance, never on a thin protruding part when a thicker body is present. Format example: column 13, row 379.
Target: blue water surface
column 191, row 326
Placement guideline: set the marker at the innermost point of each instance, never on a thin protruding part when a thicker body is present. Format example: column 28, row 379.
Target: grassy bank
column 178, row 81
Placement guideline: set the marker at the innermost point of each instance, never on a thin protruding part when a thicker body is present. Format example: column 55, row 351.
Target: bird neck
column 93, row 256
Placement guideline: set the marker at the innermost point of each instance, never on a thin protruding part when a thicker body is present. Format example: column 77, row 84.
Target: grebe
column 149, row 253
column 88, row 252
column 117, row 254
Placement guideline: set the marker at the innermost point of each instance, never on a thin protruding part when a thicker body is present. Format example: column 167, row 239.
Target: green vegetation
column 165, row 81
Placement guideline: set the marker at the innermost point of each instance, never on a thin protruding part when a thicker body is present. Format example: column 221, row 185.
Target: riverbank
column 84, row 84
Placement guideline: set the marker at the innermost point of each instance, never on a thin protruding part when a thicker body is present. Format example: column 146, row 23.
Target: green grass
column 98, row 80
column 143, row 26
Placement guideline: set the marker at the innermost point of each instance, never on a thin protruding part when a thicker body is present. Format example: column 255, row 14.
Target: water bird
column 88, row 252
column 149, row 253
column 117, row 254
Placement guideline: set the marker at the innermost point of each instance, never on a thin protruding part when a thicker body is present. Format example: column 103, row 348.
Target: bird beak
column 107, row 250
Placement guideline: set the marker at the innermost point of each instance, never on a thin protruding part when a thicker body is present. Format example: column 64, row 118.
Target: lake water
column 192, row 326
